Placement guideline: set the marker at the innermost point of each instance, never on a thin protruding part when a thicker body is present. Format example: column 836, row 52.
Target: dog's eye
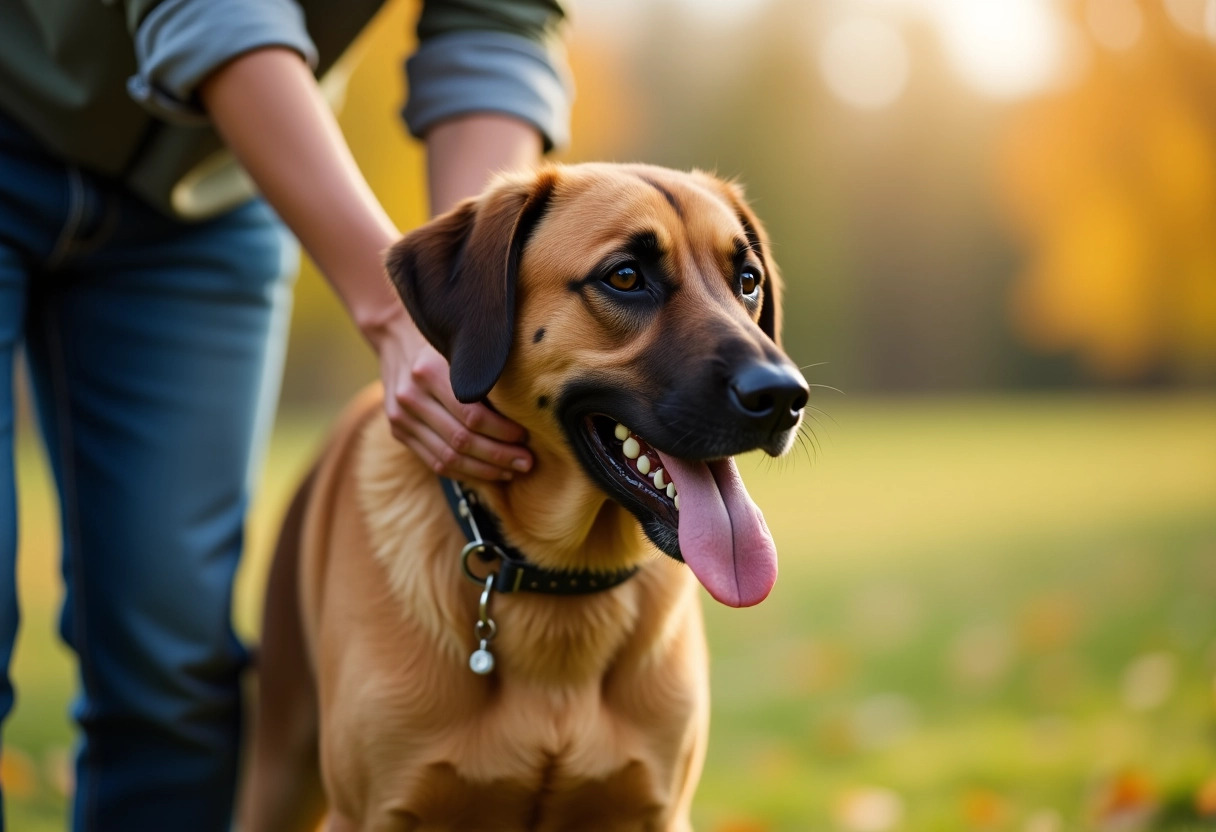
column 748, row 281
column 626, row 279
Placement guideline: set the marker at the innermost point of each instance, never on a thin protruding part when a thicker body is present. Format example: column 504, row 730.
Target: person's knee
column 152, row 627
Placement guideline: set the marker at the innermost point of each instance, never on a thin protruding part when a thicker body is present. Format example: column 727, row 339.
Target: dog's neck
column 559, row 520
column 556, row 518
column 553, row 515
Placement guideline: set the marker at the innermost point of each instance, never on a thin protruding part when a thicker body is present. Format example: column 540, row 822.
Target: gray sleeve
column 470, row 71
column 180, row 42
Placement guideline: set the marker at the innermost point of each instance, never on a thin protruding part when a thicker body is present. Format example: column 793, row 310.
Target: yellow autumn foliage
column 1111, row 185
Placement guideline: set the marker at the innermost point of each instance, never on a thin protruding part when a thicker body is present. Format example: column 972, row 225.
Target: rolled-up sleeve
column 498, row 56
column 180, row 42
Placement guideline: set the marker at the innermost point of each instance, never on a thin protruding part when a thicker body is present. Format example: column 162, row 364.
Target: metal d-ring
column 486, row 551
column 486, row 628
column 482, row 661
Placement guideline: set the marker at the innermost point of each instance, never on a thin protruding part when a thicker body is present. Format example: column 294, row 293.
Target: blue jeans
column 155, row 350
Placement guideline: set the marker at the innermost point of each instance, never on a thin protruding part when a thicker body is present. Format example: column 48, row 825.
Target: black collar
column 515, row 572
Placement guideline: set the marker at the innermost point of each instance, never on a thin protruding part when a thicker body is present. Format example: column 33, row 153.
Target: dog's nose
column 771, row 395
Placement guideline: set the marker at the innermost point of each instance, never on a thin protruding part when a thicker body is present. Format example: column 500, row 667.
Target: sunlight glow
column 1009, row 48
column 1188, row 15
column 720, row 13
column 864, row 62
column 1115, row 24
column 1004, row 49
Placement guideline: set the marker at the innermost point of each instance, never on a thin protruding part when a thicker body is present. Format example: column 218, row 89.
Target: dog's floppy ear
column 457, row 275
column 770, row 307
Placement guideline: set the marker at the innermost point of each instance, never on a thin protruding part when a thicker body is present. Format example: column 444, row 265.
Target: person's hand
column 266, row 105
column 454, row 439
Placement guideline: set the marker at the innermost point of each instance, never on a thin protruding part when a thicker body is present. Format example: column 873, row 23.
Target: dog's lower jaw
column 664, row 537
column 583, row 528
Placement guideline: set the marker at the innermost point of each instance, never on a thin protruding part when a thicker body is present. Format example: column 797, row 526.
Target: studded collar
column 511, row 570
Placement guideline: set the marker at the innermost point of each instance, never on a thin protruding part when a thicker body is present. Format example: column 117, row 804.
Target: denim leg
column 155, row 357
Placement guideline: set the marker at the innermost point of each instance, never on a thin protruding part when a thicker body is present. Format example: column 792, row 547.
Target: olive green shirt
column 108, row 85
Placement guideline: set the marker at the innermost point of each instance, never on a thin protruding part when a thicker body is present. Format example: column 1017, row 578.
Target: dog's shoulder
column 366, row 472
column 365, row 406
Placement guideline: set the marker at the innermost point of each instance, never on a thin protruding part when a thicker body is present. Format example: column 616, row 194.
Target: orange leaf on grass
column 1205, row 798
column 1127, row 800
column 984, row 809
column 17, row 775
column 742, row 825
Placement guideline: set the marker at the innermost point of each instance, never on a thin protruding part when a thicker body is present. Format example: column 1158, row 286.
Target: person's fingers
column 463, row 441
column 445, row 444
column 481, row 419
column 437, row 454
column 447, row 462
column 431, row 377
column 452, row 438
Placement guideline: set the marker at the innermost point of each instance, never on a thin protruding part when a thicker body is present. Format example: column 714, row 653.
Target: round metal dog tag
column 481, row 662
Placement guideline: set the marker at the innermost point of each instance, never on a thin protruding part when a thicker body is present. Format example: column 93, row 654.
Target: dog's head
column 637, row 310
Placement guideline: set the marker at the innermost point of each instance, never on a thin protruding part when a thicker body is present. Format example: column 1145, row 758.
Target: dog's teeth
column 644, row 465
column 659, row 481
column 622, row 432
column 631, row 448
column 671, row 490
column 676, row 500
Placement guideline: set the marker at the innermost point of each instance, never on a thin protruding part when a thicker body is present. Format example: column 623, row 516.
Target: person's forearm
column 464, row 152
column 269, row 110
column 267, row 107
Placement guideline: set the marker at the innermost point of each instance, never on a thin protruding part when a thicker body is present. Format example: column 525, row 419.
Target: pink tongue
column 723, row 536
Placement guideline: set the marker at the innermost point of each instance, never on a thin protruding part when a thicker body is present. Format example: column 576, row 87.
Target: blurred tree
column 1112, row 184
column 896, row 266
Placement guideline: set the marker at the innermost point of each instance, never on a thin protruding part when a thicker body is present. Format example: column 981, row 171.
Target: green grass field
column 993, row 614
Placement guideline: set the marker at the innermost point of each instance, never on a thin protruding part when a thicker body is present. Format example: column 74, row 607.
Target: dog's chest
column 442, row 799
column 537, row 763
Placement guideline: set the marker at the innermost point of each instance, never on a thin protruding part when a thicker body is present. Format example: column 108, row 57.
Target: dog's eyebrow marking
column 540, row 333
column 753, row 238
column 542, row 402
column 645, row 243
column 671, row 198
column 643, row 246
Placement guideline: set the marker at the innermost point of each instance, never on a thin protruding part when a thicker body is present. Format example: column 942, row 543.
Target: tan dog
column 620, row 314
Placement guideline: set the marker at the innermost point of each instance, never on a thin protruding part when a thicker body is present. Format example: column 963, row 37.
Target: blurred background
column 996, row 220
